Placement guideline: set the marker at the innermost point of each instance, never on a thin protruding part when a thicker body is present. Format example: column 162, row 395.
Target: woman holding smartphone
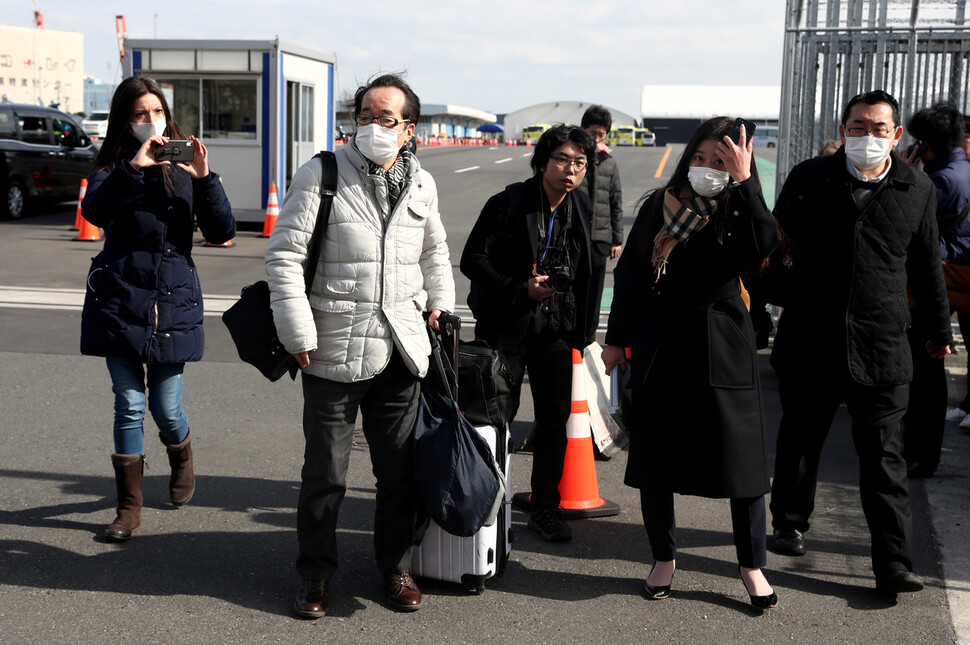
column 677, row 304
column 143, row 304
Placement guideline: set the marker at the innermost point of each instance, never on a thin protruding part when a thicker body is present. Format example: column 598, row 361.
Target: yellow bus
column 624, row 135
column 531, row 133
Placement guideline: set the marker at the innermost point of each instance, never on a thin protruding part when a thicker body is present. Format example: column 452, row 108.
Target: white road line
column 526, row 154
column 506, row 160
column 467, row 169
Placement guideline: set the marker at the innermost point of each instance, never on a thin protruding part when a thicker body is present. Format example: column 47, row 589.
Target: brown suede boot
column 181, row 485
column 129, row 472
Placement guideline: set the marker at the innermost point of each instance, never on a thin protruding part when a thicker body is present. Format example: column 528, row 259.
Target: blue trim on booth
column 267, row 143
column 330, row 114
column 136, row 62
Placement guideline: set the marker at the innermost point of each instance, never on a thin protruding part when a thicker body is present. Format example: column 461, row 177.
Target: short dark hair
column 597, row 115
column 412, row 104
column 940, row 127
column 558, row 136
column 873, row 97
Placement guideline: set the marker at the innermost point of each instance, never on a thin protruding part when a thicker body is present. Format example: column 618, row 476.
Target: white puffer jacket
column 374, row 280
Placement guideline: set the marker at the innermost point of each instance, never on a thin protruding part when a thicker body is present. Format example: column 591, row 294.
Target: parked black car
column 44, row 154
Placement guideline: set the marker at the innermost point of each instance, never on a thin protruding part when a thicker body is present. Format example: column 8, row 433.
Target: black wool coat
column 698, row 425
column 143, row 297
column 845, row 304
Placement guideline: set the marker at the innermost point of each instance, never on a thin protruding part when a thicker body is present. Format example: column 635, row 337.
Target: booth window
column 215, row 108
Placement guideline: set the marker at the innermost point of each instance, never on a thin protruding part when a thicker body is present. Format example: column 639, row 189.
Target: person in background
column 528, row 259
column 939, row 134
column 860, row 225
column 143, row 304
column 677, row 304
column 602, row 184
column 830, row 147
column 359, row 336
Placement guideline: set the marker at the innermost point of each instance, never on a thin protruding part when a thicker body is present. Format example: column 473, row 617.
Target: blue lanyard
column 552, row 221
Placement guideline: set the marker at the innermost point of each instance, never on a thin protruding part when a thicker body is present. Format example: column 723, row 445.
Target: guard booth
column 260, row 107
column 917, row 50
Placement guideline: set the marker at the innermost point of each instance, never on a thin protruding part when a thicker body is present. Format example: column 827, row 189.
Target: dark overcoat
column 845, row 304
column 499, row 256
column 698, row 425
column 143, row 297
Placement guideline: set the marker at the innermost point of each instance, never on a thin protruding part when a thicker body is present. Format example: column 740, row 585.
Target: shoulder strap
column 328, row 188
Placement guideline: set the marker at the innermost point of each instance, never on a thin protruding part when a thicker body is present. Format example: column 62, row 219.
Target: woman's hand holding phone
column 737, row 156
column 199, row 166
column 146, row 154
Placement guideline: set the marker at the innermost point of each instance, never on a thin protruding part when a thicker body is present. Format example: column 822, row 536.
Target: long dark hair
column 716, row 129
column 119, row 141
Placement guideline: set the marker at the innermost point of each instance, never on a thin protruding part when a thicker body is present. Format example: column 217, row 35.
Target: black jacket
column 845, row 303
column 499, row 256
column 602, row 184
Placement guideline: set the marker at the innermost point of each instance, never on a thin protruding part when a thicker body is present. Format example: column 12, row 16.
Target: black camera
column 552, row 265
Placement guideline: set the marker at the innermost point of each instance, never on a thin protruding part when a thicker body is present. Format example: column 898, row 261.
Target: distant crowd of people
column 863, row 252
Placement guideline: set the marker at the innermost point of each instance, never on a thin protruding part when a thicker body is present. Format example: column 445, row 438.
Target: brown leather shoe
column 402, row 592
column 312, row 598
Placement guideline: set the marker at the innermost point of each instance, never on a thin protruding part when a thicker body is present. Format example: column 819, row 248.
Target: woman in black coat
column 143, row 305
column 677, row 304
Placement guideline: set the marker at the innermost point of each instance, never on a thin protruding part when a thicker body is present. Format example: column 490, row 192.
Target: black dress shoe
column 788, row 542
column 312, row 599
column 402, row 592
column 897, row 582
column 657, row 592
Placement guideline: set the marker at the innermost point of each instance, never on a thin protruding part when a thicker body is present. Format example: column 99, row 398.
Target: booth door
column 299, row 127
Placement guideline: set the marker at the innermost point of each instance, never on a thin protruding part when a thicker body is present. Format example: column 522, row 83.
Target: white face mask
column 867, row 152
column 707, row 182
column 144, row 131
column 377, row 143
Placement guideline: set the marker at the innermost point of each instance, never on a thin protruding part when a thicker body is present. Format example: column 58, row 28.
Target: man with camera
column 860, row 227
column 528, row 259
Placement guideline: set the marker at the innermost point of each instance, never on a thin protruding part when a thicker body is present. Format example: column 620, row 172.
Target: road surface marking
column 467, row 169
column 663, row 162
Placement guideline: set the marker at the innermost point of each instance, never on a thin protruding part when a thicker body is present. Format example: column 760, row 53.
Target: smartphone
column 735, row 132
column 919, row 148
column 176, row 150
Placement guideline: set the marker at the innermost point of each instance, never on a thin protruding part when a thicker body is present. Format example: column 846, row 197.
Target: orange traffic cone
column 88, row 232
column 578, row 490
column 272, row 211
column 78, row 217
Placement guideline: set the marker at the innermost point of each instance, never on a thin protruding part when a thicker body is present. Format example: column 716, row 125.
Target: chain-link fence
column 917, row 50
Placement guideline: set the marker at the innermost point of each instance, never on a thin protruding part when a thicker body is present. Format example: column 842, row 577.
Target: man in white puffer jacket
column 360, row 335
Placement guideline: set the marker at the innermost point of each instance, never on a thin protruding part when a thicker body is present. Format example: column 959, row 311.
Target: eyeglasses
column 383, row 121
column 879, row 133
column 565, row 162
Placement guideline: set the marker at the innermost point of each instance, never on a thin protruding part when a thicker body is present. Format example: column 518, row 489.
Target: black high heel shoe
column 760, row 602
column 658, row 592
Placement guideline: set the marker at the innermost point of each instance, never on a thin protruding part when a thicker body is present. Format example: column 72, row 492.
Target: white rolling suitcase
column 470, row 561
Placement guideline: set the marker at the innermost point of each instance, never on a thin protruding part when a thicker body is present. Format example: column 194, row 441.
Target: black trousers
column 388, row 405
column 809, row 402
column 925, row 417
column 549, row 361
column 597, row 275
column 748, row 521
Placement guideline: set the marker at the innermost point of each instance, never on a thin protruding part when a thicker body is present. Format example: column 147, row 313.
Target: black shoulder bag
column 250, row 319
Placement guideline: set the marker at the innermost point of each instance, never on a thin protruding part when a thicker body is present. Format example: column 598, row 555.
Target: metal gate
column 917, row 50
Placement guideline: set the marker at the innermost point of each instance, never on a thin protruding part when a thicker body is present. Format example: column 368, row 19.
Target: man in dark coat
column 861, row 224
column 528, row 261
column 602, row 184
column 939, row 133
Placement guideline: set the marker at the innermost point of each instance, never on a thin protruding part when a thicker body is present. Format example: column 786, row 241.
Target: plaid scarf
column 395, row 176
column 681, row 220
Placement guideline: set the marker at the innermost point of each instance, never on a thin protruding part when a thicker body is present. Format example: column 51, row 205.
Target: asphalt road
column 220, row 569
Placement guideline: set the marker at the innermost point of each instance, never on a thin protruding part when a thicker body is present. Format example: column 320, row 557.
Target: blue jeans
column 164, row 400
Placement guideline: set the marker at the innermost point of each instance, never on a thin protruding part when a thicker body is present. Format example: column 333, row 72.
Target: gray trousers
column 388, row 405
